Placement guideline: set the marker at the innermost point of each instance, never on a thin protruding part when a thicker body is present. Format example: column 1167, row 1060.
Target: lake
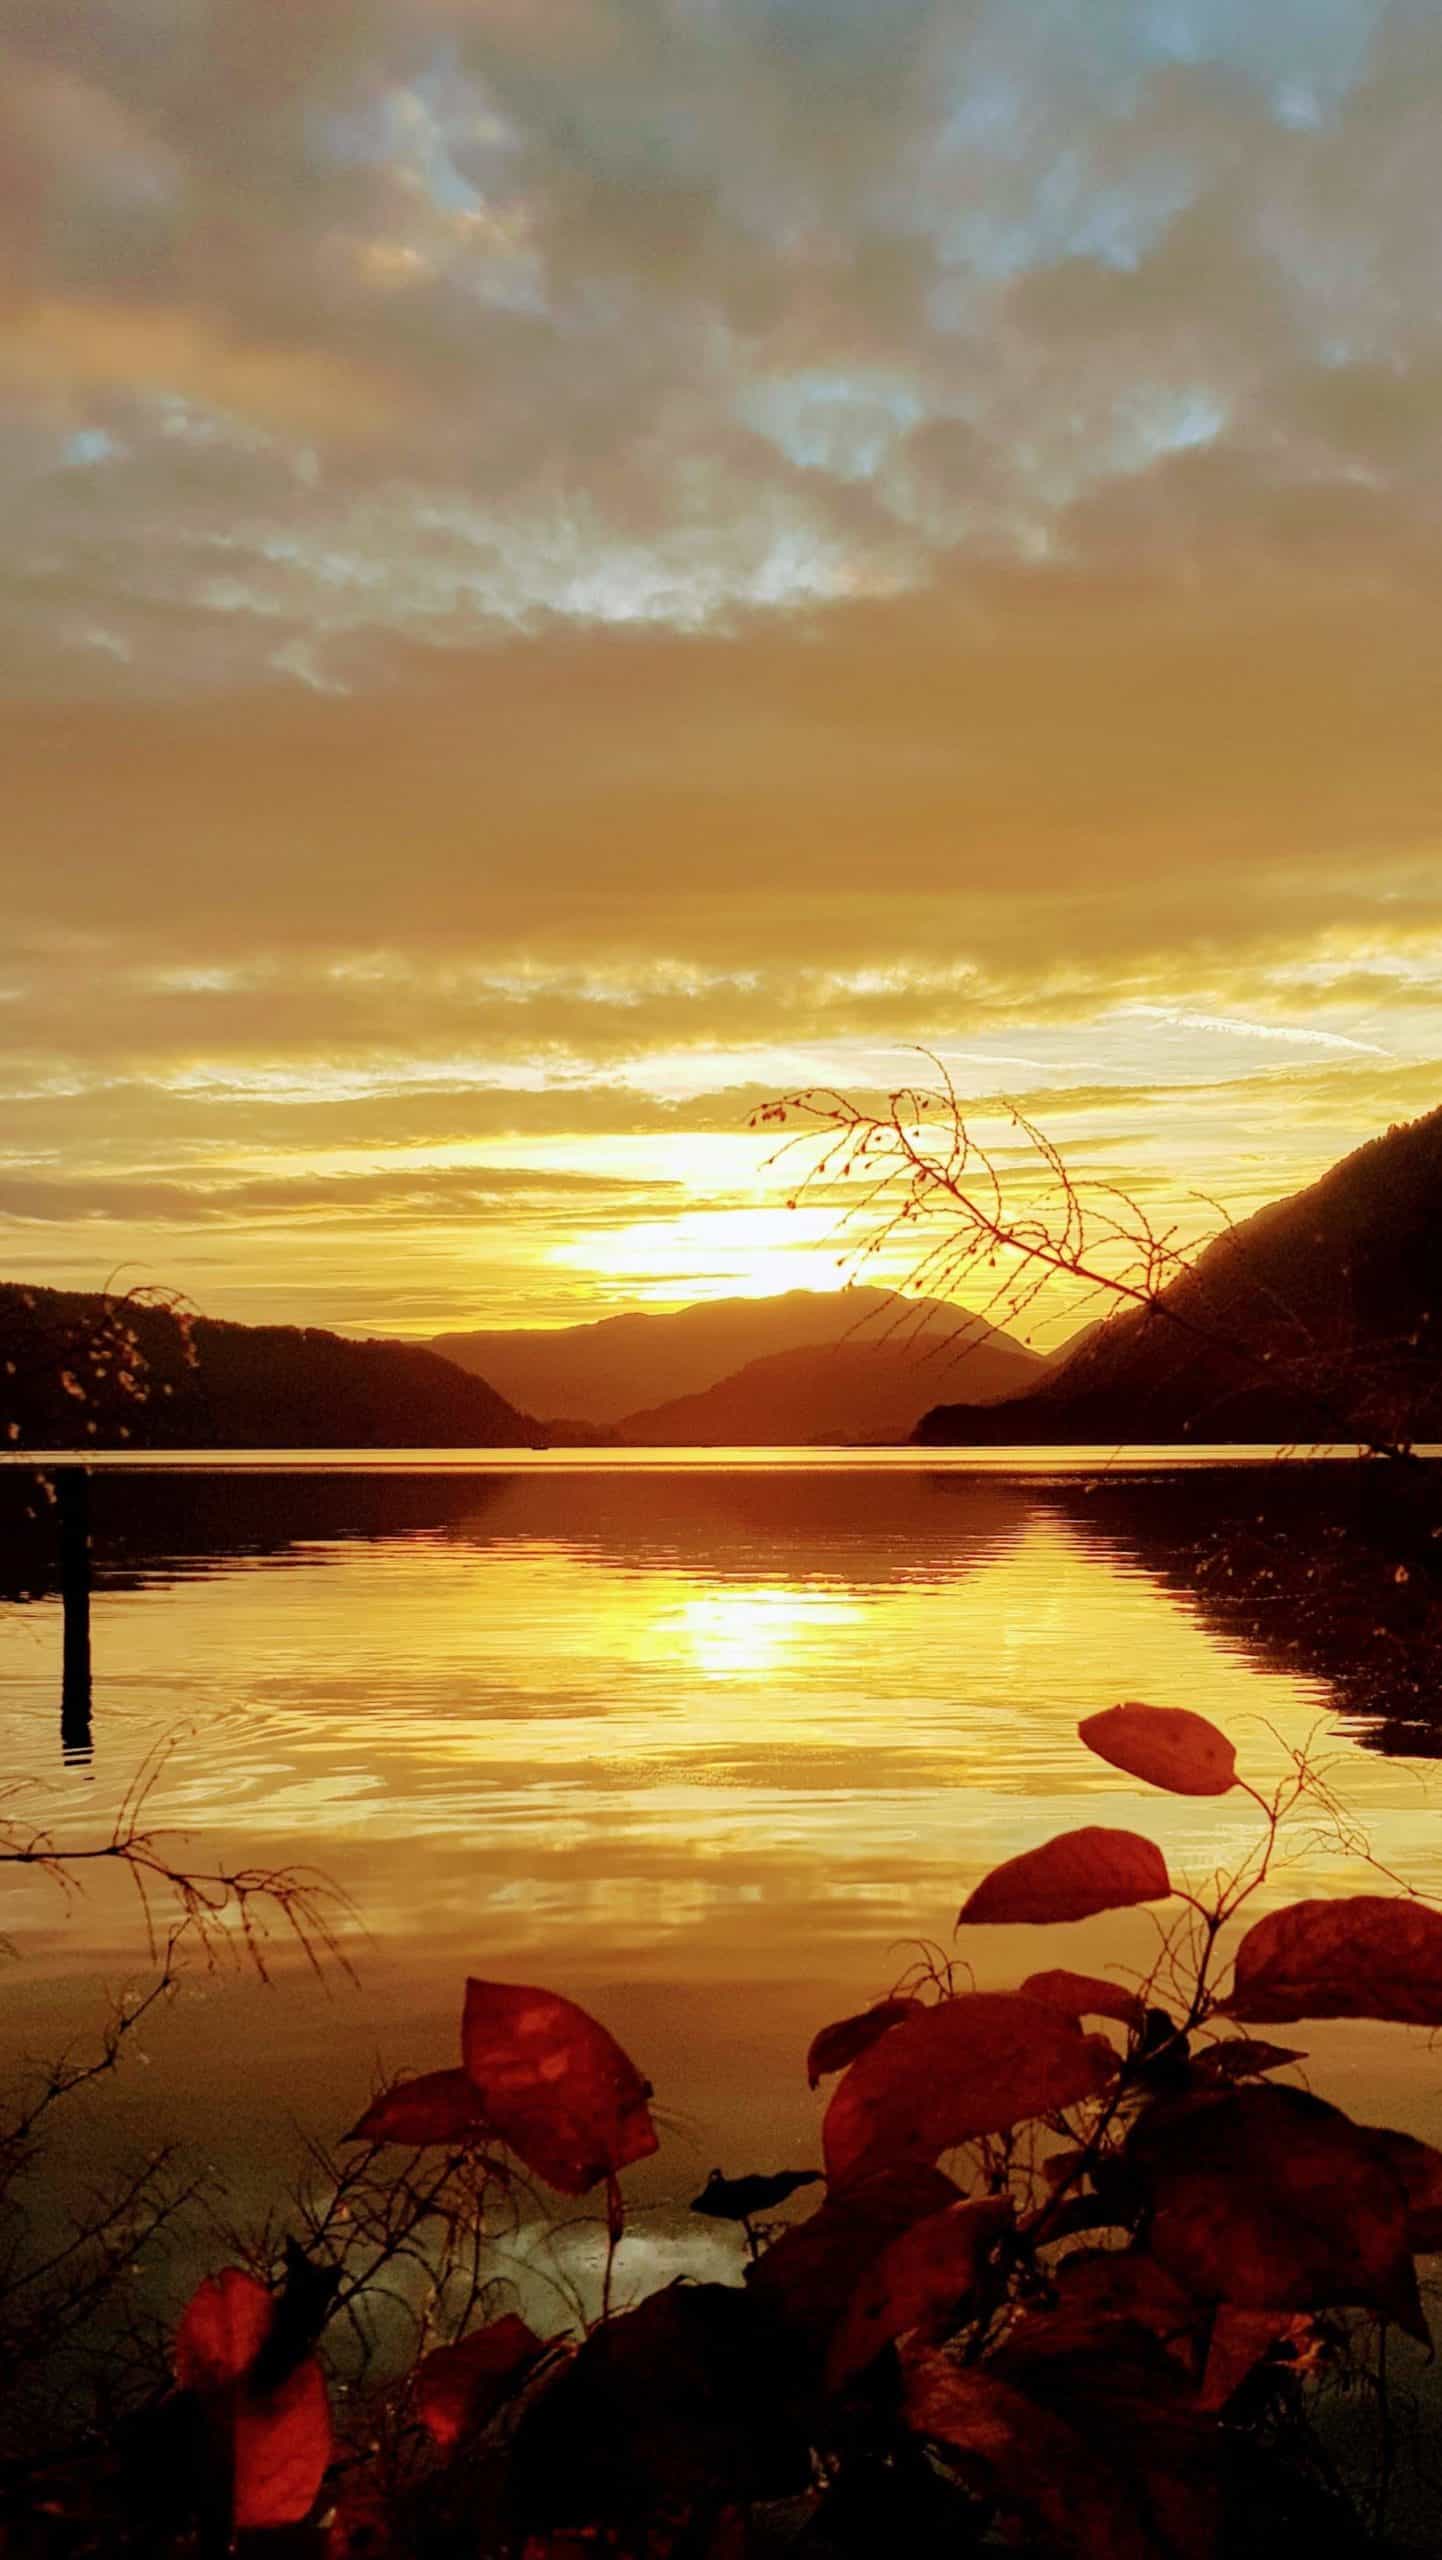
column 709, row 1744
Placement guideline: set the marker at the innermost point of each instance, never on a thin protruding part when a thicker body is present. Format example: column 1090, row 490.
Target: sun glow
column 737, row 1634
column 715, row 1253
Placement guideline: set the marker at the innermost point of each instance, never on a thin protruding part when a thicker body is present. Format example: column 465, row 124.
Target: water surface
column 709, row 1746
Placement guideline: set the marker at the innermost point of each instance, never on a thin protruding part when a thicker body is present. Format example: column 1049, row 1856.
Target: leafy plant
column 1081, row 2270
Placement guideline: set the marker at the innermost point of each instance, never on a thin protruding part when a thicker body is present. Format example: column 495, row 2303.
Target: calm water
column 705, row 1746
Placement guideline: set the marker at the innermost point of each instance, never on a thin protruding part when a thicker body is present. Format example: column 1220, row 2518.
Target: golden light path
column 711, row 1753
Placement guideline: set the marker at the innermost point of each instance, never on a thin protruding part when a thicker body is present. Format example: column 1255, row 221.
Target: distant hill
column 1318, row 1319
column 605, row 1372
column 835, row 1393
column 250, row 1386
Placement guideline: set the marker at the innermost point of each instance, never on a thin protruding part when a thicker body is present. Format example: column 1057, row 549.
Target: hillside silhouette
column 863, row 1391
column 1315, row 1320
column 210, row 1384
column 609, row 1372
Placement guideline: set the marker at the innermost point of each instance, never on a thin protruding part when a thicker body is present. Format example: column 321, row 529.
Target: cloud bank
column 568, row 559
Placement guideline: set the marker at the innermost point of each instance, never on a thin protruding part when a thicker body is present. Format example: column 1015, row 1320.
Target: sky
column 570, row 566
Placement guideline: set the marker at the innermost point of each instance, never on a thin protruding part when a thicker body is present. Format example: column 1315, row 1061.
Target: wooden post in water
column 72, row 1496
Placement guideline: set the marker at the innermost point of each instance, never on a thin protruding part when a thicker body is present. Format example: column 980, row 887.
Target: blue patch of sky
column 1305, row 54
column 1012, row 104
column 1069, row 215
column 414, row 127
column 1156, row 422
column 841, row 423
column 87, row 447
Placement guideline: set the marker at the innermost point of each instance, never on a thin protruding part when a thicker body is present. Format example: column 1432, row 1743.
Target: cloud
column 455, row 317
column 565, row 565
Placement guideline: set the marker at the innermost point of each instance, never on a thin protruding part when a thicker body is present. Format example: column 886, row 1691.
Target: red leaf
column 222, row 2330
column 970, row 2066
column 555, row 2085
column 1069, row 1878
column 833, row 2047
column 1126, row 2284
column 1168, row 1746
column 1420, row 2169
column 809, row 2275
column 464, row 2385
column 1129, row 2399
column 1269, row 2199
column 281, row 2445
column 1241, row 2340
column 1362, row 1955
column 1035, row 2465
column 277, row 2443
column 442, row 2106
column 1085, row 1995
column 917, row 2282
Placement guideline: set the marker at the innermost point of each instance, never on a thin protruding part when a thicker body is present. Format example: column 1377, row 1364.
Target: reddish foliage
column 1133, row 2405
column 276, row 2443
column 1242, row 2340
column 281, row 2443
column 1269, row 2199
column 464, row 2385
column 1069, row 1878
column 807, row 2278
column 833, row 2047
column 554, row 2085
column 680, row 2403
column 1169, row 1747
column 1031, row 2461
column 1127, row 2284
column 1362, row 1955
column 975, row 2065
column 359, row 2527
column 222, row 2329
column 1085, row 1995
column 1420, row 2169
column 918, row 2282
column 441, row 2106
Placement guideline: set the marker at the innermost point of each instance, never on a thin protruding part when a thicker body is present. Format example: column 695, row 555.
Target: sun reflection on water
column 715, row 1754
column 738, row 1634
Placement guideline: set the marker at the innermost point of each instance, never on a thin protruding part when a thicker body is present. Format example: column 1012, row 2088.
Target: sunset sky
column 570, row 565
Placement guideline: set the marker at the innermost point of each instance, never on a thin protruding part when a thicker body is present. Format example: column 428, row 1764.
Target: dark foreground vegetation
column 1087, row 2271
column 89, row 1370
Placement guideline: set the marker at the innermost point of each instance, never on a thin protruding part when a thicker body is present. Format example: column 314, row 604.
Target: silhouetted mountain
column 231, row 1385
column 604, row 1372
column 837, row 1393
column 1316, row 1320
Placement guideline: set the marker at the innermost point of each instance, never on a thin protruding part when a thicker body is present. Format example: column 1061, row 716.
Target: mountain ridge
column 246, row 1387
column 846, row 1394
column 1318, row 1319
column 603, row 1372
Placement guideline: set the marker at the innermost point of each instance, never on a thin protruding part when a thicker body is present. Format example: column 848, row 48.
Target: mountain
column 1319, row 1319
column 212, row 1385
column 829, row 1393
column 602, row 1373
